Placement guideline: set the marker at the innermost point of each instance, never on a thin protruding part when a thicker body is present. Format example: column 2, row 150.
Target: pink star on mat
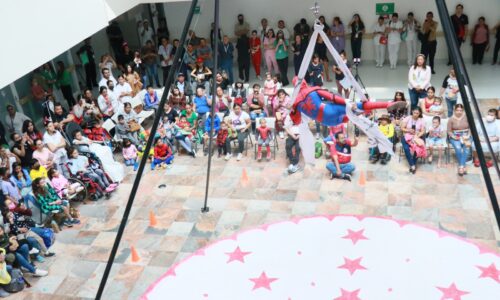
column 262, row 281
column 452, row 292
column 237, row 255
column 200, row 252
column 491, row 271
column 346, row 295
column 355, row 236
column 352, row 265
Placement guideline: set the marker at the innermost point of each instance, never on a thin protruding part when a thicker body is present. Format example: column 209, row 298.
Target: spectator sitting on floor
column 264, row 136
column 493, row 131
column 163, row 155
column 21, row 252
column 387, row 128
column 340, row 150
column 151, row 100
column 130, row 155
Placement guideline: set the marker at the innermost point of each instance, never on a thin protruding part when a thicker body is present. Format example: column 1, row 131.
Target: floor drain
column 162, row 186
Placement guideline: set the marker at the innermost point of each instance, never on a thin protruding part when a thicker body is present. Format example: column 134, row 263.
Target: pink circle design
column 350, row 257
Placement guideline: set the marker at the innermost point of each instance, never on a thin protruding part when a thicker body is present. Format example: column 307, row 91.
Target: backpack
column 318, row 149
column 17, row 282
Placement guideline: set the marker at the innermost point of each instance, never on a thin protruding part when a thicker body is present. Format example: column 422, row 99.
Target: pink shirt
column 481, row 35
column 43, row 157
column 130, row 152
column 59, row 183
column 269, row 88
column 269, row 42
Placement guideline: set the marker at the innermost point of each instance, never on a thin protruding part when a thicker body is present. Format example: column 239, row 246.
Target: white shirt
column 165, row 52
column 120, row 89
column 411, row 30
column 239, row 122
column 54, row 139
column 376, row 37
column 147, row 36
column 103, row 106
column 394, row 36
column 419, row 77
column 104, row 81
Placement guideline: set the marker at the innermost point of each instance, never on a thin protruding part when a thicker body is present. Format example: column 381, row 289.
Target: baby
column 436, row 139
column 436, row 108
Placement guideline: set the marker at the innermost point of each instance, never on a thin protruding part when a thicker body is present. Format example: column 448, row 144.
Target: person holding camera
column 281, row 46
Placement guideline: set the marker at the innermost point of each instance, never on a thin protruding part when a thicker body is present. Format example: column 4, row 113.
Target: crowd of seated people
column 38, row 168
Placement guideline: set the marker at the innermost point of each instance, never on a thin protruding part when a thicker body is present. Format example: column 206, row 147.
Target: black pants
column 283, row 66
column 495, row 51
column 478, row 52
column 68, row 95
column 429, row 50
column 356, row 47
column 297, row 60
column 90, row 75
column 242, row 136
column 290, row 144
column 165, row 73
column 244, row 69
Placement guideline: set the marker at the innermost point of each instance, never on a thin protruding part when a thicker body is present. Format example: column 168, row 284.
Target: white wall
column 293, row 10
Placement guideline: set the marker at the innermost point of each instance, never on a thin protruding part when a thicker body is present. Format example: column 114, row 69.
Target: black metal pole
column 466, row 90
column 215, row 51
column 144, row 159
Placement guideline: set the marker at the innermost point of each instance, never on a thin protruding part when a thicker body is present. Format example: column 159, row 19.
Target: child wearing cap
column 387, row 128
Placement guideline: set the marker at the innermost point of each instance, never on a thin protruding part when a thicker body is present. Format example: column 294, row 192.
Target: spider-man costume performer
column 311, row 102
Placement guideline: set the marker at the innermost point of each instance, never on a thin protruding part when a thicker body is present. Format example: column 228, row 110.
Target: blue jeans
column 130, row 162
column 22, row 257
column 152, row 72
column 414, row 96
column 227, row 65
column 254, row 116
column 157, row 161
column 411, row 158
column 451, row 104
column 347, row 168
column 185, row 142
column 461, row 152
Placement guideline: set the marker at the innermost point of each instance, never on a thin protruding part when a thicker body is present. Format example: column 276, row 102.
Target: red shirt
column 263, row 132
column 343, row 151
column 162, row 151
column 222, row 136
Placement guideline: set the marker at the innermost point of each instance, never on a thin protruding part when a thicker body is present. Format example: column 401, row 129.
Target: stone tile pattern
column 434, row 197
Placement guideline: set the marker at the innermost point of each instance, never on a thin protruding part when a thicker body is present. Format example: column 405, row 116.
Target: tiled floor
column 434, row 197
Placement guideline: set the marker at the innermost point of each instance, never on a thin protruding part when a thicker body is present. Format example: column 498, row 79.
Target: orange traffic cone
column 362, row 179
column 152, row 219
column 244, row 178
column 135, row 255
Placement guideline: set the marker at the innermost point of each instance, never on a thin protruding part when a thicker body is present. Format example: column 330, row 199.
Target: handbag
column 383, row 40
column 48, row 236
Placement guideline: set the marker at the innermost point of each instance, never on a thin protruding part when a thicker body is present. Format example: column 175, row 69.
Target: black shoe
column 448, row 64
column 374, row 160
column 433, row 72
column 346, row 177
column 383, row 161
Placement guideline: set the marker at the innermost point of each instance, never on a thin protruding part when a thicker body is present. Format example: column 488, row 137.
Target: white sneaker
column 228, row 156
column 290, row 167
column 238, row 158
column 294, row 169
column 40, row 273
column 34, row 251
column 281, row 134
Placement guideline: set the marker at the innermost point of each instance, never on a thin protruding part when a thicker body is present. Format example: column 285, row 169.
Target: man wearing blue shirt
column 226, row 50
